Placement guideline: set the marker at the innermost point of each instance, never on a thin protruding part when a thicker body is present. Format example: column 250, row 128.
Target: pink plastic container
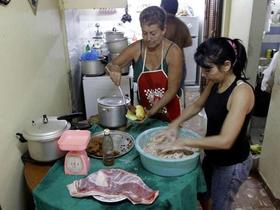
column 74, row 140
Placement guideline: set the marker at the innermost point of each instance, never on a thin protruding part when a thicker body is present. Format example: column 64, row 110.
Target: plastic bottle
column 108, row 149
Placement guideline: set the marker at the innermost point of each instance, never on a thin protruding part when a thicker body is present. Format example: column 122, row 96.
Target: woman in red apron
column 152, row 85
column 158, row 76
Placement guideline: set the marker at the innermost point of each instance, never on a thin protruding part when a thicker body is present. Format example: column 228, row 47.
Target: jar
column 268, row 53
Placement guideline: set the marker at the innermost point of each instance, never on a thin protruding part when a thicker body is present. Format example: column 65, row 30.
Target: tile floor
column 253, row 194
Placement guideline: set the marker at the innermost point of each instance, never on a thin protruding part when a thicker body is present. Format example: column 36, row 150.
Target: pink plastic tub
column 74, row 140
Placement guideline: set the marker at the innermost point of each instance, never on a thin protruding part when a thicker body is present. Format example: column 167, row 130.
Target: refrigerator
column 193, row 74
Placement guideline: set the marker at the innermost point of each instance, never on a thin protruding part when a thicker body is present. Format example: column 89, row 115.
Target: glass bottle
column 108, row 149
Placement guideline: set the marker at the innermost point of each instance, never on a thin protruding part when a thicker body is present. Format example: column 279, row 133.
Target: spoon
column 119, row 87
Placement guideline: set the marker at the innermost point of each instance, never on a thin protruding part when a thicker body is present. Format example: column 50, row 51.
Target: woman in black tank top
column 228, row 101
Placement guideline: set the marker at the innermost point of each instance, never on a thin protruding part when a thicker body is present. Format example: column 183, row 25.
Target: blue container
column 163, row 166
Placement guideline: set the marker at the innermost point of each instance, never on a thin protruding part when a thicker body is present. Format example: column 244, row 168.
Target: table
column 175, row 192
column 34, row 174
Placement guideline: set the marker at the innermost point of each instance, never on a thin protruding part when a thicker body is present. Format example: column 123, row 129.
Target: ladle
column 120, row 89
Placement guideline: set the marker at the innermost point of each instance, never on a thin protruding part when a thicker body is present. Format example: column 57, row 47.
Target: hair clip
column 233, row 46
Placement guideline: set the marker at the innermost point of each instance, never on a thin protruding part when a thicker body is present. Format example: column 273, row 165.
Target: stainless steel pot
column 112, row 111
column 42, row 135
column 93, row 67
column 112, row 35
column 117, row 45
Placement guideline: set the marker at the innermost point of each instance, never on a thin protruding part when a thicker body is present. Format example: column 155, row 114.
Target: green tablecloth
column 174, row 192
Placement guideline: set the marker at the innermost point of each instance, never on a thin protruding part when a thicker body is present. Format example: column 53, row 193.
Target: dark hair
column 219, row 49
column 170, row 6
column 153, row 15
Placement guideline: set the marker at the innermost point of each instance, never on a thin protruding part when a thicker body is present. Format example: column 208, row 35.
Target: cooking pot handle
column 105, row 60
column 70, row 117
column 20, row 137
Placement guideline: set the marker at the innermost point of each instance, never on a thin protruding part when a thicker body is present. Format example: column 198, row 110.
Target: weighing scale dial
column 74, row 164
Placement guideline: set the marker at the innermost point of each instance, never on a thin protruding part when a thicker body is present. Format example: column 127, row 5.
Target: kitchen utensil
column 117, row 45
column 126, row 16
column 98, row 34
column 5, row 2
column 43, row 133
column 123, row 97
column 114, row 34
column 93, row 67
column 162, row 166
column 112, row 111
column 76, row 160
column 123, row 143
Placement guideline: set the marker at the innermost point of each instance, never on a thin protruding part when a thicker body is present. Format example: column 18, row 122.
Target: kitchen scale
column 76, row 160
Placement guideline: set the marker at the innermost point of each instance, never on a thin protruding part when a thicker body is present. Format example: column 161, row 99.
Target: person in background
column 268, row 73
column 228, row 100
column 176, row 30
column 157, row 64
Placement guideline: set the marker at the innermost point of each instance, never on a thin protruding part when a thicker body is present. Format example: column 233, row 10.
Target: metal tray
column 123, row 143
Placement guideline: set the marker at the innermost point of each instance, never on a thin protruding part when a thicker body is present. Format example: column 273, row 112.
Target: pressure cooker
column 43, row 133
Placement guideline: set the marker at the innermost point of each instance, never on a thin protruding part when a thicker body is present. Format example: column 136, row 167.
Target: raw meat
column 113, row 183
column 152, row 148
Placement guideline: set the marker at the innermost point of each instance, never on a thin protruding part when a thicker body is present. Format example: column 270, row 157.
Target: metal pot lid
column 113, row 101
column 117, row 40
column 114, row 32
column 45, row 128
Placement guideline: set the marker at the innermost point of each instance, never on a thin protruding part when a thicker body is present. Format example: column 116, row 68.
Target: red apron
column 151, row 87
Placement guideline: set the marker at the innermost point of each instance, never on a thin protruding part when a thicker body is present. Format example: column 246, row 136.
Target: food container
column 93, row 67
column 123, row 143
column 112, row 111
column 162, row 166
column 42, row 136
column 117, row 45
column 112, row 35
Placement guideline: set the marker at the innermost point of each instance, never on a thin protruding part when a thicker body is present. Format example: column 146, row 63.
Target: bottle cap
column 106, row 131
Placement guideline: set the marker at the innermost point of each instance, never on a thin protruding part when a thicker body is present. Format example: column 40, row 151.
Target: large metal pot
column 112, row 35
column 93, row 67
column 42, row 135
column 112, row 111
column 117, row 45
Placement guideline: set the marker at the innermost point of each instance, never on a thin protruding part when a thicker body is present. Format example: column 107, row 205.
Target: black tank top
column 216, row 111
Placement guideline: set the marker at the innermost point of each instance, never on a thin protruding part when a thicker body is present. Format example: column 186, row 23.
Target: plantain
column 130, row 115
column 135, row 113
column 256, row 148
column 140, row 112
